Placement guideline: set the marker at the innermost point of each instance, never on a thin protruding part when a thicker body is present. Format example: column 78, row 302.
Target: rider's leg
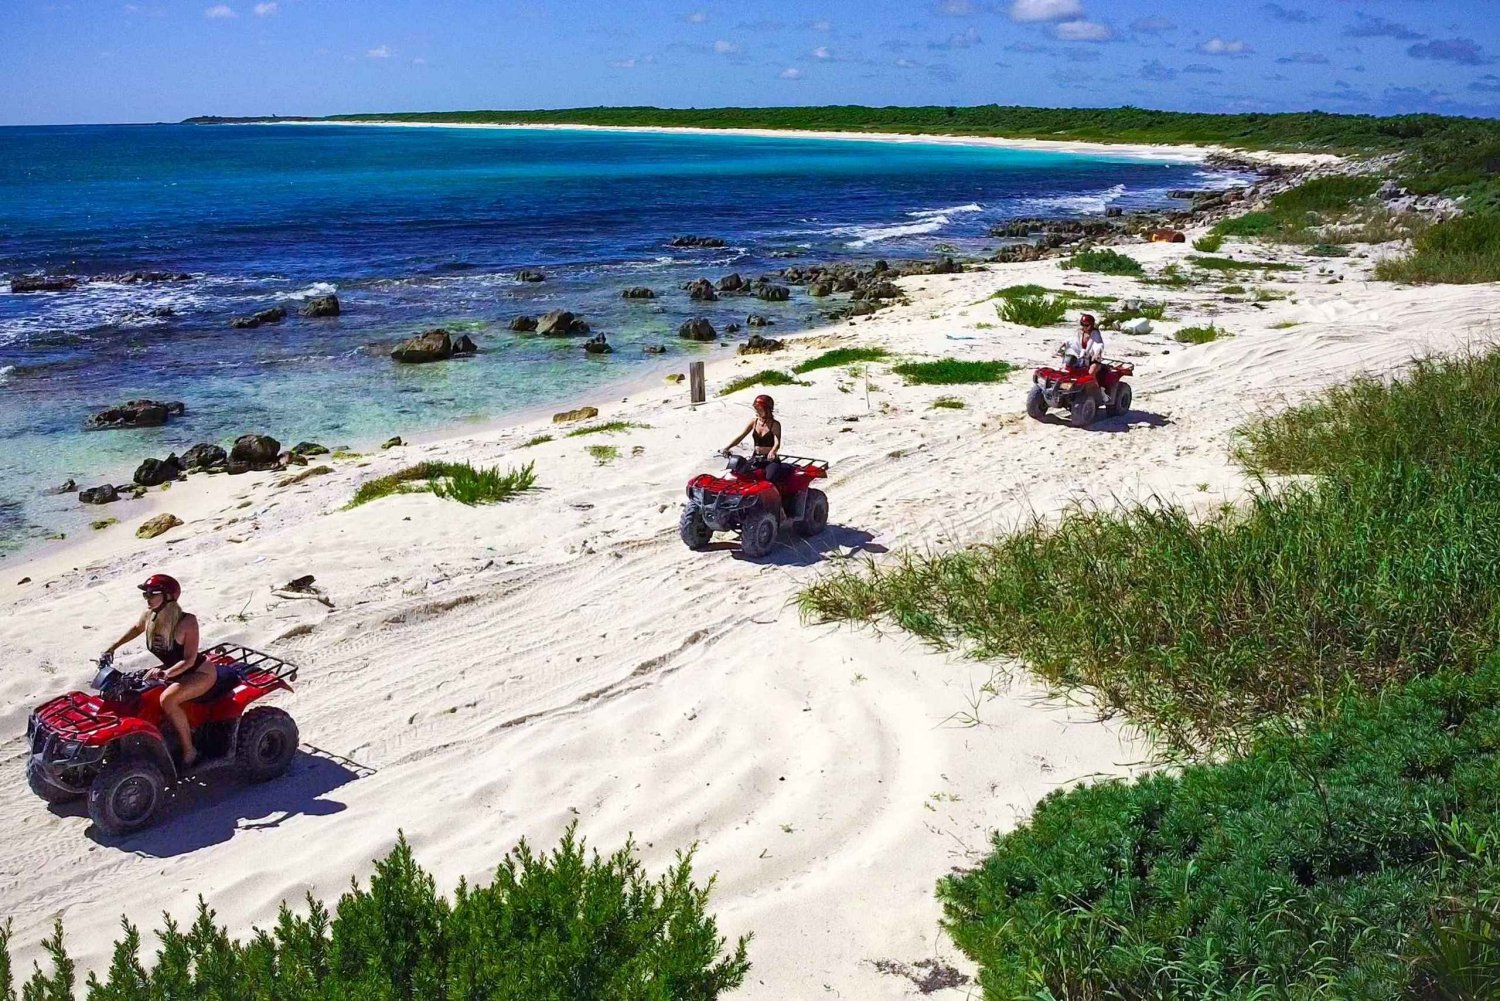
column 187, row 688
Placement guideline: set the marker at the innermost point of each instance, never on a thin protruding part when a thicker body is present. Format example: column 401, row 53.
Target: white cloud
column 697, row 17
column 956, row 8
column 380, row 52
column 821, row 52
column 1045, row 10
column 1083, row 31
column 419, row 61
column 906, row 64
column 265, row 9
column 623, row 64
column 821, row 26
column 219, row 11
column 1217, row 46
column 791, row 73
column 131, row 8
column 724, row 48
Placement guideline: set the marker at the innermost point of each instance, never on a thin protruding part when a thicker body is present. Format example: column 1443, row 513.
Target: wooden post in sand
column 695, row 382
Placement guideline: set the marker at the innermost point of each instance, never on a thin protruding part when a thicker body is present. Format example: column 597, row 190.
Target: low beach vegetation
column 1230, row 264
column 1112, row 318
column 1327, row 250
column 948, row 403
column 839, row 357
column 1285, row 324
column 1105, row 262
column 1198, row 334
column 1209, row 243
column 1232, row 290
column 1030, row 291
column 540, row 439
column 766, row 377
column 952, row 372
column 1459, row 251
column 608, row 427
column 1303, row 213
column 602, row 455
column 458, row 481
column 1033, row 311
column 565, row 924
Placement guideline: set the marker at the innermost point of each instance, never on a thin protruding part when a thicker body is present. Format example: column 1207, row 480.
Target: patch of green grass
column 458, row 481
column 1249, row 224
column 1033, row 311
column 1209, row 243
column 839, row 357
column 1198, row 335
column 952, row 372
column 603, row 454
column 1327, row 250
column 1105, row 262
column 1268, row 295
column 1285, row 325
column 609, row 427
column 1230, row 264
column 1301, row 214
column 1460, row 251
column 948, row 403
column 1232, row 290
column 103, row 523
column 981, row 325
column 540, row 439
column 1028, row 292
column 767, row 377
column 1171, row 276
column 1112, row 319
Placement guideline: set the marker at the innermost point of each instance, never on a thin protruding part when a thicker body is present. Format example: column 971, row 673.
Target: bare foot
column 190, row 759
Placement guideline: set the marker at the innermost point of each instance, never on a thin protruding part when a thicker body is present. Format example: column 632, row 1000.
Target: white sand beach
column 493, row 673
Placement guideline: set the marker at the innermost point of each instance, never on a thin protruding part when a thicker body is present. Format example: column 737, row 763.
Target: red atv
column 1068, row 389
column 116, row 749
column 746, row 502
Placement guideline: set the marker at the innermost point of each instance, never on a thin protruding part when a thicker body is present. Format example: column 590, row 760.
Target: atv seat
column 228, row 676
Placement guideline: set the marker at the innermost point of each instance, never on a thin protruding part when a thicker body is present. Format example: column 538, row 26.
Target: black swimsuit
column 171, row 656
column 763, row 440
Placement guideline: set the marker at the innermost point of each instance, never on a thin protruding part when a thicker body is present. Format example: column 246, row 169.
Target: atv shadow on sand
column 796, row 551
column 1122, row 424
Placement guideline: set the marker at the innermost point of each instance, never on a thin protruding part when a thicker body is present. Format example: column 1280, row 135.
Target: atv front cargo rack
column 258, row 670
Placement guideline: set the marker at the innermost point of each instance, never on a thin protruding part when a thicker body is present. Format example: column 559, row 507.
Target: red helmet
column 161, row 582
column 765, row 401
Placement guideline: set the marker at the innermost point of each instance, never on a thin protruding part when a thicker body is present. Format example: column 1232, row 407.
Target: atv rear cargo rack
column 258, row 670
column 797, row 460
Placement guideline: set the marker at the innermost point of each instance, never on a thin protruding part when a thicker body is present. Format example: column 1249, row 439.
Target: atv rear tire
column 1121, row 404
column 1036, row 404
column 694, row 530
column 814, row 514
column 266, row 744
column 1084, row 412
column 45, row 787
column 758, row 534
column 126, row 794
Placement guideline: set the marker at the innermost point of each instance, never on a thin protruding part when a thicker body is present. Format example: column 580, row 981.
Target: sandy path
column 496, row 673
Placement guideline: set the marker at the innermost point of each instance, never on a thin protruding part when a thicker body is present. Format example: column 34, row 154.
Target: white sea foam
column 314, row 290
column 5, row 371
column 951, row 211
column 1090, row 203
column 866, row 235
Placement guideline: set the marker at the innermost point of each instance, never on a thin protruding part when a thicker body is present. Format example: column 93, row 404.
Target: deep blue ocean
column 423, row 227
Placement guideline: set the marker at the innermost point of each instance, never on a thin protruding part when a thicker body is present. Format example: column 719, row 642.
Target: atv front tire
column 126, row 794
column 694, row 530
column 814, row 514
column 1084, row 412
column 1036, row 404
column 45, row 787
column 1122, row 399
column 266, row 744
column 758, row 534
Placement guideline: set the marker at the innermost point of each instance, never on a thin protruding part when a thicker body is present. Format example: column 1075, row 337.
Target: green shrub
column 1327, row 250
column 1027, row 292
column 608, row 427
column 540, row 439
column 1105, row 262
column 1209, row 243
column 602, row 455
column 1111, row 319
column 948, row 403
column 1249, row 224
column 951, row 372
column 1232, row 290
column 1304, row 870
column 1198, row 335
column 839, row 357
column 1460, row 251
column 456, row 480
column 1033, row 311
column 766, row 377
column 1230, row 264
column 1298, row 214
column 569, row 924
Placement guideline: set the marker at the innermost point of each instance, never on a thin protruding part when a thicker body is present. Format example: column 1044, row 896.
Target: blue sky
column 163, row 60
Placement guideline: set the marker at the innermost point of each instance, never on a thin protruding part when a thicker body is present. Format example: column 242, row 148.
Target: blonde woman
column 172, row 635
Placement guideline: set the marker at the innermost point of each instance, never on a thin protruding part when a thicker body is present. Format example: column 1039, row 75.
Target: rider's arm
column 741, row 436
column 775, row 440
column 130, row 634
column 187, row 635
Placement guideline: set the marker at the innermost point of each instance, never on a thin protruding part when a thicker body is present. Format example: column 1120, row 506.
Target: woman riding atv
column 172, row 635
column 1086, row 351
column 765, row 435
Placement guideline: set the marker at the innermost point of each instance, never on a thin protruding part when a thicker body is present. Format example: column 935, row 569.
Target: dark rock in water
column 945, row 266
column 145, row 277
column 154, row 313
column 846, row 283
column 757, row 345
column 820, row 289
column 1113, row 212
column 698, row 329
column 523, row 323
column 203, row 455
column 530, row 275
column 465, row 345
column 273, row 315
column 773, row 293
column 733, row 328
column 321, row 306
column 395, row 442
column 106, row 494
column 258, row 451
column 701, row 290
column 434, row 345
column 638, row 292
column 654, row 349
column 1188, row 193
column 731, row 283
column 67, row 487
column 597, row 345
column 155, row 472
column 43, row 283
column 137, row 414
column 863, row 307
column 757, row 320
column 880, row 267
column 309, row 448
column 880, row 290
column 561, row 323
column 697, row 241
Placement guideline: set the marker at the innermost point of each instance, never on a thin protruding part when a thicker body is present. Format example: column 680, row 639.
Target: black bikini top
column 763, row 440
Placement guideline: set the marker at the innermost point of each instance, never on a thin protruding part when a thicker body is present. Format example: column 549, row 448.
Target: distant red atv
column 1067, row 389
column 745, row 502
column 116, row 749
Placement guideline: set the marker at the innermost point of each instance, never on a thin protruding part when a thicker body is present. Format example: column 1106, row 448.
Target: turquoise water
column 416, row 228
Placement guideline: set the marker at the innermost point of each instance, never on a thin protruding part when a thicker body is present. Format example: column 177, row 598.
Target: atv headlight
column 1065, row 385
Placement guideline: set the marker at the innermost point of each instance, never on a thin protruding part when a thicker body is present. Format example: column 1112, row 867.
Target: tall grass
column 1300, row 214
column 1461, row 251
column 839, row 357
column 1033, row 311
column 458, row 481
column 1204, row 631
column 1198, row 335
column 1209, row 243
column 1105, row 262
column 952, row 372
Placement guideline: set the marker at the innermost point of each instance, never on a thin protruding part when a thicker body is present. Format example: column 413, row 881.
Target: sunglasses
column 147, row 594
